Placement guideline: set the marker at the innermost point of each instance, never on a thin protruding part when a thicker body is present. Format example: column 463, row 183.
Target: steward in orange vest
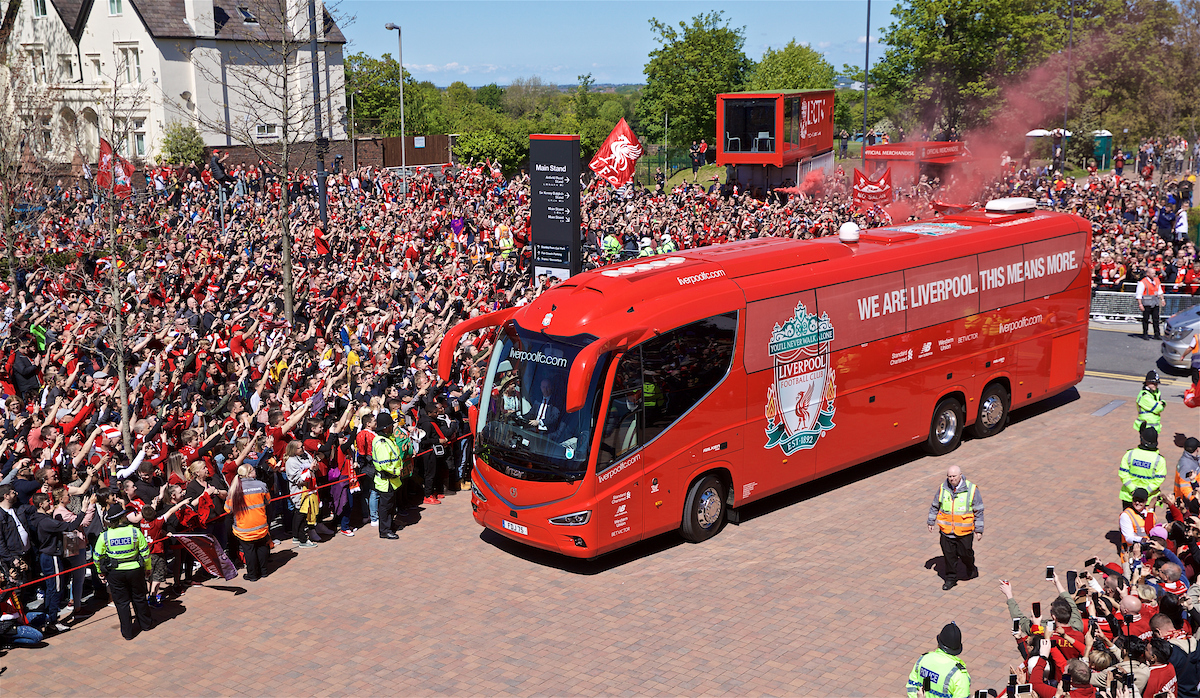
column 957, row 510
column 248, row 503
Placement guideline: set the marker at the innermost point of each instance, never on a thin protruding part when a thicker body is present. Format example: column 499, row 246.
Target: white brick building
column 189, row 60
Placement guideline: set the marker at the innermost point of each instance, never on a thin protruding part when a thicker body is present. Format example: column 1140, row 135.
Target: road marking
column 1127, row 330
column 1108, row 408
column 1136, row 379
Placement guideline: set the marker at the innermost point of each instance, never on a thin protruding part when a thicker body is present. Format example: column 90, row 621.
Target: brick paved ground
column 822, row 592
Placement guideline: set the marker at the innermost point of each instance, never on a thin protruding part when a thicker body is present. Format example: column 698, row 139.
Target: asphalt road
column 1117, row 349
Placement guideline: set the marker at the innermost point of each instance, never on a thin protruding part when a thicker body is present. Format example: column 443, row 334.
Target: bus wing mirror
column 450, row 341
column 585, row 363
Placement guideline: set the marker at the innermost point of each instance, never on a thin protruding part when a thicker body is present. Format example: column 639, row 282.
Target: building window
column 46, row 133
column 247, row 16
column 267, row 131
column 120, row 137
column 131, row 64
column 97, row 76
column 39, row 8
column 66, row 67
column 37, row 64
column 115, row 7
column 139, row 137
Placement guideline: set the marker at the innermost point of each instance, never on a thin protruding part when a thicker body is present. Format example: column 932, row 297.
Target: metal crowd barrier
column 1118, row 305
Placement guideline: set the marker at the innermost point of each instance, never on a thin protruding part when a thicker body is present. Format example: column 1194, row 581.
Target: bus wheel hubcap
column 947, row 427
column 992, row 411
column 710, row 508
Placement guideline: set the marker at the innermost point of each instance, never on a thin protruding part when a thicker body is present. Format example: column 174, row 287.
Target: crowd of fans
column 230, row 401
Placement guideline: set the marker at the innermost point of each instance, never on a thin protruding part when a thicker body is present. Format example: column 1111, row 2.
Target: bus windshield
column 524, row 430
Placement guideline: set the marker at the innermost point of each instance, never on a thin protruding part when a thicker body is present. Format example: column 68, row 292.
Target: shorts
column 158, row 567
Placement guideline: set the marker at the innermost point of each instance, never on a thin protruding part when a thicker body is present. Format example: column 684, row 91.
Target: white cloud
column 453, row 67
column 824, row 44
column 863, row 39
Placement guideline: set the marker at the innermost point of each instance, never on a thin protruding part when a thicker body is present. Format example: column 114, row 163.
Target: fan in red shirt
column 279, row 430
column 1078, row 675
column 1162, row 677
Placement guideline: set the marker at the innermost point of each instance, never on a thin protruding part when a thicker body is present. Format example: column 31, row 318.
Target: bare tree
column 269, row 76
column 118, row 104
column 26, row 111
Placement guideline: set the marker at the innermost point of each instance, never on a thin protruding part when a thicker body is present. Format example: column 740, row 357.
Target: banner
column 870, row 192
column 124, row 171
column 617, row 156
column 208, row 553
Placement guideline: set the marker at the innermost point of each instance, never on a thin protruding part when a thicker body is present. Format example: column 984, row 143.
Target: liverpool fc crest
column 800, row 402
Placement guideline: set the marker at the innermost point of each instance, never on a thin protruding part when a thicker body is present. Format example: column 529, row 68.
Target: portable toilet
column 1103, row 148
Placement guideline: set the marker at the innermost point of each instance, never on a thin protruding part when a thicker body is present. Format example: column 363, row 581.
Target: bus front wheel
column 945, row 429
column 993, row 412
column 704, row 510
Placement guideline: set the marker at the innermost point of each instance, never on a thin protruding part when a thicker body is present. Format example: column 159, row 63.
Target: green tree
column 950, row 59
column 181, row 144
column 794, row 67
column 692, row 65
column 488, row 144
column 581, row 98
column 491, row 96
column 458, row 95
column 377, row 105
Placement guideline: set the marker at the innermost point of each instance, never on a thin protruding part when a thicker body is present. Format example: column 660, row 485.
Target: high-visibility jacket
column 252, row 524
column 948, row 678
column 1141, row 468
column 1138, row 521
column 1184, row 487
column 956, row 510
column 667, row 247
column 388, row 460
column 646, row 251
column 1150, row 407
column 651, row 395
column 125, row 546
column 611, row 246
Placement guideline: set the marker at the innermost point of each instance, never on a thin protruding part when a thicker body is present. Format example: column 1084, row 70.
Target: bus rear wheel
column 704, row 509
column 945, row 429
column 993, row 412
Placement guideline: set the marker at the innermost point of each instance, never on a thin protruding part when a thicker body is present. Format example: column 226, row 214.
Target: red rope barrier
column 159, row 540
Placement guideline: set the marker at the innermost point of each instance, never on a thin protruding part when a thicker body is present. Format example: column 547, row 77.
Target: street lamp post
column 866, row 85
column 403, row 145
column 353, row 143
column 321, row 141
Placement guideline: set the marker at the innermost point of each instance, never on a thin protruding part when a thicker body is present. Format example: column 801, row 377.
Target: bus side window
column 622, row 424
column 681, row 366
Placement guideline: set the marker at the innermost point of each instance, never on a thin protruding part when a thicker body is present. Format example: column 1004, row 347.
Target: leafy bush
column 182, row 144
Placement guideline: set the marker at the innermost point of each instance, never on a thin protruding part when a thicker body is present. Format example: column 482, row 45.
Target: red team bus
column 655, row 395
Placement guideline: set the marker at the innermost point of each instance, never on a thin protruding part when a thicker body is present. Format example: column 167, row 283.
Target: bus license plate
column 516, row 528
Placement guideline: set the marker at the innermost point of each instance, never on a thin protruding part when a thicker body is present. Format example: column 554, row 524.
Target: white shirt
column 20, row 528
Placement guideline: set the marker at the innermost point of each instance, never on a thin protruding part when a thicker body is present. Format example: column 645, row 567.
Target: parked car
column 1177, row 336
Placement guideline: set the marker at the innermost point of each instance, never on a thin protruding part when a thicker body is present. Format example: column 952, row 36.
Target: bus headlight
column 477, row 492
column 579, row 518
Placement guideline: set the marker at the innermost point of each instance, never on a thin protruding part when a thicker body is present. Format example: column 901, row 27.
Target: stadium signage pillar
column 554, row 168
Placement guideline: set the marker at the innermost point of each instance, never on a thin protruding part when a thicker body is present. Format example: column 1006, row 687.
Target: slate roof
column 166, row 19
column 72, row 13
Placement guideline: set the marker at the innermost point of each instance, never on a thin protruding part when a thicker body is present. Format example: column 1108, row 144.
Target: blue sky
column 483, row 42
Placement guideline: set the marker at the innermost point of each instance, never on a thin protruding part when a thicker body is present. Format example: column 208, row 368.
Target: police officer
column 957, row 510
column 646, row 249
column 123, row 560
column 667, row 245
column 947, row 676
column 1142, row 467
column 389, row 463
column 1150, row 404
column 611, row 245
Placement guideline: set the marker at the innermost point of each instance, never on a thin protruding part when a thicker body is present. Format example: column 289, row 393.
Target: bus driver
column 544, row 416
